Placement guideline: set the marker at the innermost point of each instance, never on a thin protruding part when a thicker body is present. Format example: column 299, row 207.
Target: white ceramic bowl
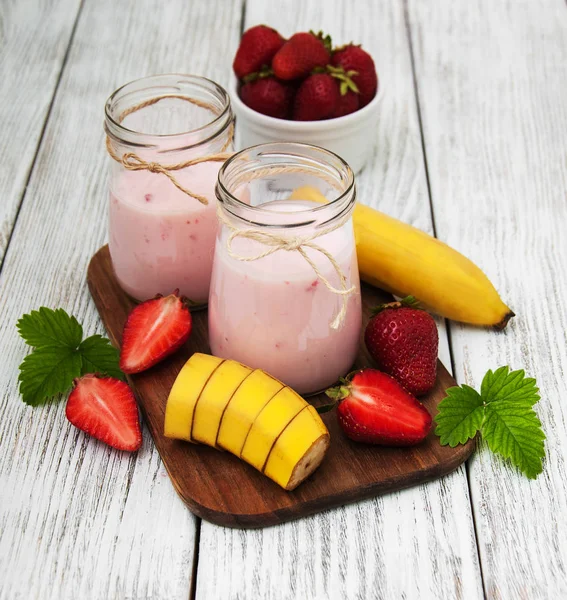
column 352, row 137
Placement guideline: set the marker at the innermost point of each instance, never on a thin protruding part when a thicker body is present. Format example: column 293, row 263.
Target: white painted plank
column 31, row 58
column 77, row 519
column 492, row 80
column 418, row 543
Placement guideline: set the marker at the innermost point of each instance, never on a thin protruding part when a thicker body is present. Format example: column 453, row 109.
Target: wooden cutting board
column 222, row 489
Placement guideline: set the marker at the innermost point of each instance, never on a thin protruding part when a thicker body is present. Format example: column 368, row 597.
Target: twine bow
column 132, row 162
column 275, row 242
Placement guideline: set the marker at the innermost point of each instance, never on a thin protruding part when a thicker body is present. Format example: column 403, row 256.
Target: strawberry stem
column 408, row 301
column 326, row 408
column 346, row 83
column 326, row 39
column 264, row 72
column 338, row 393
column 345, row 46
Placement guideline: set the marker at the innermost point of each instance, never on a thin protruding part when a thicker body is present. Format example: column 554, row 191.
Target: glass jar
column 160, row 237
column 270, row 307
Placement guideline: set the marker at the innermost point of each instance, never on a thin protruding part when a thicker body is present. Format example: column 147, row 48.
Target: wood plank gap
column 243, row 17
column 418, row 110
column 197, row 545
column 467, row 467
column 195, row 569
column 41, row 135
column 448, row 325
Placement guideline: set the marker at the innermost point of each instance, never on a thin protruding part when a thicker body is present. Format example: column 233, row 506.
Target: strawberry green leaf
column 503, row 413
column 338, row 393
column 460, row 416
column 410, row 301
column 326, row 408
column 60, row 355
column 514, row 431
column 506, row 385
column 47, row 372
column 99, row 356
column 48, row 327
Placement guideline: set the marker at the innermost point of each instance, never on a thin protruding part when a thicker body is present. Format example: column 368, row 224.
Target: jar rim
column 133, row 136
column 335, row 208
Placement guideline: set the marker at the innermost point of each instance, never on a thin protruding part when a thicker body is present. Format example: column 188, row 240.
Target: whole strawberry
column 403, row 340
column 300, row 55
column 317, row 98
column 348, row 91
column 268, row 96
column 347, row 104
column 354, row 58
column 374, row 408
column 257, row 47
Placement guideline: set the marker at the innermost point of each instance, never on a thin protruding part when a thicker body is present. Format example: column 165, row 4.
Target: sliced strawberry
column 374, row 408
column 105, row 408
column 154, row 329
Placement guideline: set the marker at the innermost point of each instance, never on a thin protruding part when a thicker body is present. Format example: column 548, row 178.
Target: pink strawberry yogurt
column 275, row 314
column 160, row 239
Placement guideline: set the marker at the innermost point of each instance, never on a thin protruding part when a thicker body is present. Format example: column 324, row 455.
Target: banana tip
column 502, row 324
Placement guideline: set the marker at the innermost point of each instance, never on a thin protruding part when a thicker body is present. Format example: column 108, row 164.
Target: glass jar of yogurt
column 285, row 289
column 162, row 215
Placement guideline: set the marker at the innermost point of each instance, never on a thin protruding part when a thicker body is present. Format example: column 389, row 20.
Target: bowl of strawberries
column 302, row 89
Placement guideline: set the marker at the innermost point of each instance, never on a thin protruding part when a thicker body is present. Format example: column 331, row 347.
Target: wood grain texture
column 492, row 81
column 78, row 519
column 417, row 543
column 224, row 490
column 31, row 58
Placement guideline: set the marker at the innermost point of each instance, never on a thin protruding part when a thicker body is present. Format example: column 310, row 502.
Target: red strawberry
column 268, row 96
column 154, row 329
column 317, row 98
column 374, row 408
column 105, row 408
column 354, row 58
column 257, row 48
column 300, row 55
column 403, row 340
column 347, row 104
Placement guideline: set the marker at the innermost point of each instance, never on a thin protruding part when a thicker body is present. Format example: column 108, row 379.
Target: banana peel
column 229, row 406
column 404, row 260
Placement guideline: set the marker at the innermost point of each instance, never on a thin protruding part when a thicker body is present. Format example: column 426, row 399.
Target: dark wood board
column 223, row 489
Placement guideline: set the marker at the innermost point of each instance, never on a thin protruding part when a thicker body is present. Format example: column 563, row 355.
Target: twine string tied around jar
column 132, row 162
column 275, row 241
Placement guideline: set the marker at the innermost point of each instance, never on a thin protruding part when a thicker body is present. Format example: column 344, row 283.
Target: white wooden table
column 472, row 146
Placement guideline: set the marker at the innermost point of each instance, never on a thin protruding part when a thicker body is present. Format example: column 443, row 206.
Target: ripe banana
column 226, row 405
column 405, row 261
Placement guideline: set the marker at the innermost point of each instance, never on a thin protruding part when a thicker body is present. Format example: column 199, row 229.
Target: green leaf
column 99, row 356
column 503, row 413
column 326, row 408
column 48, row 327
column 48, row 371
column 410, row 301
column 514, row 385
column 514, row 430
column 460, row 416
